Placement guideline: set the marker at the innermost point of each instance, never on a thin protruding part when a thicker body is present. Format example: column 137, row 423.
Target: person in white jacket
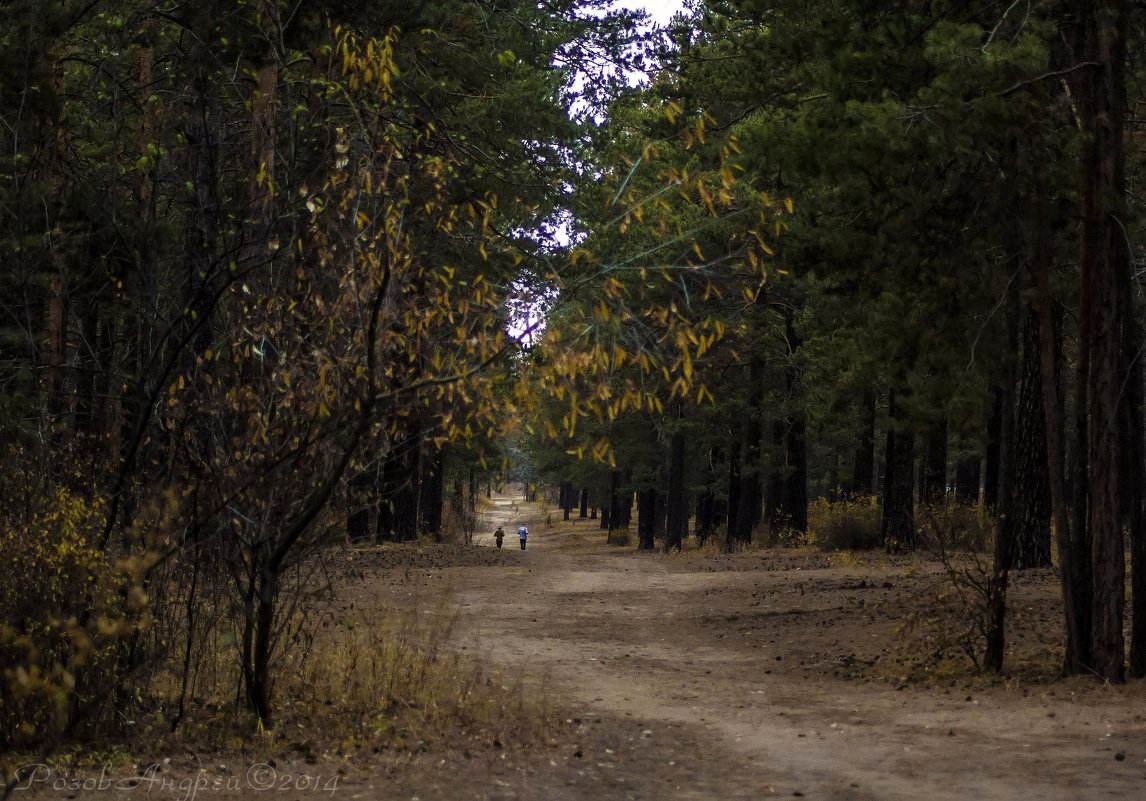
column 522, row 534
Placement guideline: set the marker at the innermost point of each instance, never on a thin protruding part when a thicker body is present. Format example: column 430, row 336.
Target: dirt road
column 698, row 676
column 727, row 669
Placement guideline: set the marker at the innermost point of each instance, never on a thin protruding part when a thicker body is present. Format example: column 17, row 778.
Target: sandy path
column 646, row 638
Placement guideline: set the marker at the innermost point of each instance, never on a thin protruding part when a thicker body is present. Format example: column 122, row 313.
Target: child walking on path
column 522, row 534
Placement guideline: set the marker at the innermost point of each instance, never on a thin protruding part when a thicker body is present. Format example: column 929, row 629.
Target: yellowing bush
column 850, row 525
column 65, row 609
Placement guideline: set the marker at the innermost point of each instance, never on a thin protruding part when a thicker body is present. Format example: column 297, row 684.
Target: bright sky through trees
column 527, row 308
column 660, row 10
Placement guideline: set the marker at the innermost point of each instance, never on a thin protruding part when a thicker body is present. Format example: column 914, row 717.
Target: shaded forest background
column 871, row 267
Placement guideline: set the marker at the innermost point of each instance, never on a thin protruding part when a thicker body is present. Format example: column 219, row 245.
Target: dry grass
column 362, row 681
column 393, row 683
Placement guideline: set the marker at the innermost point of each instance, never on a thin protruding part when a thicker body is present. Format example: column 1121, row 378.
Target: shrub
column 66, row 623
column 848, row 525
column 948, row 620
column 956, row 527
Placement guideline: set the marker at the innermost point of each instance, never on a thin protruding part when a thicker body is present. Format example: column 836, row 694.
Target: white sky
column 660, row 10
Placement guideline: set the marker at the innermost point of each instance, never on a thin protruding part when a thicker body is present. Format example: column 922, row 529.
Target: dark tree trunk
column 719, row 506
column 1074, row 553
column 774, row 489
column 1031, row 507
column 748, row 511
column 432, row 494
column 258, row 677
column 358, row 525
column 660, row 516
column 933, row 482
column 1135, row 479
column 796, row 476
column 733, row 489
column 677, row 505
column 967, row 476
column 584, row 503
column 88, row 402
column 614, row 516
column 863, row 469
column 1007, row 507
column 705, row 511
column 1099, row 36
column 470, row 521
column 993, row 463
column 358, row 514
column 897, row 526
column 567, row 495
column 397, row 506
column 203, row 218
column 625, row 497
column 646, row 519
column 795, row 493
column 457, row 505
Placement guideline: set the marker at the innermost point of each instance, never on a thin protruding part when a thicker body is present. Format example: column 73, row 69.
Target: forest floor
column 769, row 673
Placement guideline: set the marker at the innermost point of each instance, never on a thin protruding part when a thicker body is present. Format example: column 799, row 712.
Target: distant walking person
column 499, row 535
column 522, row 534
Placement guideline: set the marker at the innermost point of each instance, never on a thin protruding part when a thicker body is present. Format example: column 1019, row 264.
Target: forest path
column 722, row 675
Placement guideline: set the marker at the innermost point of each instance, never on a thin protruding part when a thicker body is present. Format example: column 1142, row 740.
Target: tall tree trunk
column 203, row 217
column 625, row 498
column 469, row 522
column 729, row 542
column 1006, row 507
column 897, row 525
column 358, row 508
column 1135, row 480
column 934, row 478
column 796, row 475
column 992, row 472
column 646, row 519
column 263, row 105
column 147, row 300
column 566, row 499
column 1074, row 555
column 863, row 469
column 432, row 493
column 774, row 486
column 704, row 515
column 584, row 502
column 612, row 520
column 748, row 511
column 677, row 511
column 1031, row 507
column 795, row 491
column 660, row 516
column 1099, row 37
